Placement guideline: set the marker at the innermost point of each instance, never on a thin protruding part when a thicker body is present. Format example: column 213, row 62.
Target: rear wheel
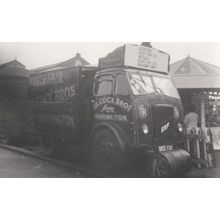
column 107, row 155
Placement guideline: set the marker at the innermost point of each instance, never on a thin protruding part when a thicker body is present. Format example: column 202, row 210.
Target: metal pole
column 203, row 124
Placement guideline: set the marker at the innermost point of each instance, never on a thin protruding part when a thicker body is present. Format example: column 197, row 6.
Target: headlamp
column 145, row 129
column 180, row 127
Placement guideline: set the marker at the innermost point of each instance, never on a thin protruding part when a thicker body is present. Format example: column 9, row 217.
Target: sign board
column 140, row 57
column 216, row 137
column 146, row 58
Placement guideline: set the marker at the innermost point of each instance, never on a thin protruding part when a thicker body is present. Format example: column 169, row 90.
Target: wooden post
column 203, row 124
column 216, row 103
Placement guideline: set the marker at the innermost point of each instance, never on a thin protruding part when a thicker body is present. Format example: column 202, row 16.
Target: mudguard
column 119, row 134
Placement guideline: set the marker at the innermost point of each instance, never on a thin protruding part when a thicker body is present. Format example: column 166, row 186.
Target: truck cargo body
column 13, row 93
column 57, row 102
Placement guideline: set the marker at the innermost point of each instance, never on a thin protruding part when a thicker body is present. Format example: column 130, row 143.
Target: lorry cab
column 144, row 105
column 138, row 108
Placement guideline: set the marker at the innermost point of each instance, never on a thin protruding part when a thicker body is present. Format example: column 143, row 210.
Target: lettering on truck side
column 60, row 95
column 114, row 101
column 46, row 79
column 108, row 109
column 112, row 117
column 57, row 119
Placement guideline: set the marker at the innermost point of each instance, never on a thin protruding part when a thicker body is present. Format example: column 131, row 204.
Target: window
column 166, row 86
column 103, row 85
column 121, row 86
column 141, row 84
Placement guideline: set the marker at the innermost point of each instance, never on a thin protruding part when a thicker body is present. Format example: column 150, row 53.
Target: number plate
column 165, row 148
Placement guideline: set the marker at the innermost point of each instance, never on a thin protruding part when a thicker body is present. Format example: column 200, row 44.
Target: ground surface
column 18, row 165
column 211, row 172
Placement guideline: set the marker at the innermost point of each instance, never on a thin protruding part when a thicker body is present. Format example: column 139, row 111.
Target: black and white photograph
column 131, row 112
column 109, row 110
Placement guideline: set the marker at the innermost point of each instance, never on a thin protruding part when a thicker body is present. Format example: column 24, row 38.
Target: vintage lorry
column 125, row 105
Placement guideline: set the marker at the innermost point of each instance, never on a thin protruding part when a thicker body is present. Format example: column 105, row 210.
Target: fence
column 199, row 143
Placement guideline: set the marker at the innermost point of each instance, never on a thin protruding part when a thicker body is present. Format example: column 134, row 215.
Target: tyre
column 106, row 154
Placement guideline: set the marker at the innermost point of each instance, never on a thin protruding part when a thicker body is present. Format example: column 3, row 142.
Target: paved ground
column 213, row 172
column 17, row 165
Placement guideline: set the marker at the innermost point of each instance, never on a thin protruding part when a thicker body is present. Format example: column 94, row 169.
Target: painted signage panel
column 113, row 109
column 140, row 57
column 146, row 58
column 51, row 78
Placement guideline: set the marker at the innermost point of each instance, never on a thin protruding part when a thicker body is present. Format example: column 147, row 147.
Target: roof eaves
column 206, row 63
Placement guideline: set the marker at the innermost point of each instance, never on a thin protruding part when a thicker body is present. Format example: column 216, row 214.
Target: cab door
column 123, row 106
column 113, row 103
column 103, row 104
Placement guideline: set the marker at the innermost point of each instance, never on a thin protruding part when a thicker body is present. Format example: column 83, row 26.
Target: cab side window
column 103, row 85
column 121, row 86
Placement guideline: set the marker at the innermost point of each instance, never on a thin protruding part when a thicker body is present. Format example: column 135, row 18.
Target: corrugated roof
column 192, row 73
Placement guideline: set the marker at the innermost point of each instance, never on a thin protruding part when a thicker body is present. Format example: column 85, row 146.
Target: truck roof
column 130, row 69
column 83, row 68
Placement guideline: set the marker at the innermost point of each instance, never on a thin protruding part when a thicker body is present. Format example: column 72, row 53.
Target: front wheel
column 107, row 156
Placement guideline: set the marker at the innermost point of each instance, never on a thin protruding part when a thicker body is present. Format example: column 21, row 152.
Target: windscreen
column 165, row 86
column 143, row 83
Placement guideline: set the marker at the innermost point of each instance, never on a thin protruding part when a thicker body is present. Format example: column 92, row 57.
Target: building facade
column 198, row 83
